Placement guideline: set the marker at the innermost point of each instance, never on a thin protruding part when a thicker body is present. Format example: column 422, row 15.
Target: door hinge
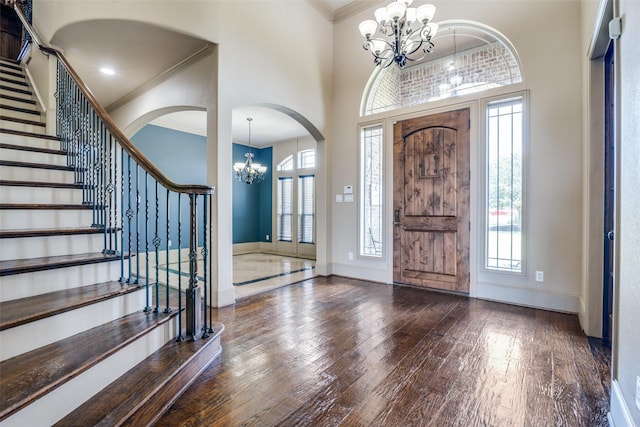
column 469, row 225
column 469, row 124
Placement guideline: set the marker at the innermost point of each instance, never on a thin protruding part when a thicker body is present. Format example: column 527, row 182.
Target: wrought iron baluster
column 114, row 183
column 122, row 272
column 207, row 328
column 167, row 309
column 147, row 307
column 192, row 306
column 156, row 243
column 129, row 218
column 137, row 279
column 210, row 197
column 179, row 337
column 110, row 198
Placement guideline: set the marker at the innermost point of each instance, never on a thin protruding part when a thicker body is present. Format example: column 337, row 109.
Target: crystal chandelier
column 249, row 172
column 405, row 33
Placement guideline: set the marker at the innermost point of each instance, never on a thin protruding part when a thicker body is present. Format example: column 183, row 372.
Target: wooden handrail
column 115, row 131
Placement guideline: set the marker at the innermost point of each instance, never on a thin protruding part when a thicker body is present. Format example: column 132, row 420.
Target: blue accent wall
column 181, row 156
column 252, row 204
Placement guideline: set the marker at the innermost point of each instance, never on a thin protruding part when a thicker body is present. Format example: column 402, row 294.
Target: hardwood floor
column 335, row 351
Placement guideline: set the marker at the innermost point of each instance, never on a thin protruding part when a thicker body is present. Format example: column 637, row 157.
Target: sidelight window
column 504, row 202
column 371, row 202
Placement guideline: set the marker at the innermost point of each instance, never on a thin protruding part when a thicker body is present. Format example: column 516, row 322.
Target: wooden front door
column 431, row 201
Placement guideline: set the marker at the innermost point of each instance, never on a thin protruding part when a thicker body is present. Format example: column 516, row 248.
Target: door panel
column 431, row 201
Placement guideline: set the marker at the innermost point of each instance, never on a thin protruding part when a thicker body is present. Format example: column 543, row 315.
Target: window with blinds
column 306, row 208
column 285, row 208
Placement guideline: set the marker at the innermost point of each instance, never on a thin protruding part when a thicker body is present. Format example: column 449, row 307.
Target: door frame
column 476, row 170
column 461, row 119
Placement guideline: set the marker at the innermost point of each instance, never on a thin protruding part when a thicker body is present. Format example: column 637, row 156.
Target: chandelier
column 405, row 33
column 249, row 172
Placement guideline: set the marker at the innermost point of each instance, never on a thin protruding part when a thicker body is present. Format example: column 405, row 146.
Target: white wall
column 551, row 62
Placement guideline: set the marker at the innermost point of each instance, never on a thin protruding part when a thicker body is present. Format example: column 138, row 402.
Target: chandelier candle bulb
column 402, row 32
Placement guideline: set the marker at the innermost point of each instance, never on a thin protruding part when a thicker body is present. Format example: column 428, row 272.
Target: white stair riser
column 36, row 247
column 8, row 124
column 11, row 74
column 20, row 114
column 55, row 405
column 29, row 141
column 32, row 157
column 41, row 282
column 40, row 195
column 51, row 329
column 40, row 218
column 15, row 173
column 19, row 104
column 15, row 94
column 11, row 83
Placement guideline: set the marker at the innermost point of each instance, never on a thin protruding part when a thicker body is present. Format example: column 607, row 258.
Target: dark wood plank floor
column 335, row 351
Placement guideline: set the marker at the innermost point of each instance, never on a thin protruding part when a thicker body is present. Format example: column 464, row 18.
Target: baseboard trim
column 619, row 415
column 528, row 297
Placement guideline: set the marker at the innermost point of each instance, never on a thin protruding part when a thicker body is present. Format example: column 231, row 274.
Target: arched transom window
column 468, row 57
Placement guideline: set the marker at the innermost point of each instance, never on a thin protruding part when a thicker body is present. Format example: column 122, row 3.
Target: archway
column 275, row 236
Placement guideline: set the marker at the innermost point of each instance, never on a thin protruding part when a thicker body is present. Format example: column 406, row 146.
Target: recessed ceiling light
column 108, row 71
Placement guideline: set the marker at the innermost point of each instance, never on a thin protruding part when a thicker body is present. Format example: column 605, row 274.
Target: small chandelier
column 249, row 172
column 404, row 32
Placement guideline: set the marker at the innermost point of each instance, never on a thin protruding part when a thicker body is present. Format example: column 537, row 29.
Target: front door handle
column 396, row 217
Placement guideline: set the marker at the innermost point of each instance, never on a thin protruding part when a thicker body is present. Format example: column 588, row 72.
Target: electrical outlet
column 350, row 256
column 169, row 243
column 539, row 276
column 638, row 393
column 267, row 237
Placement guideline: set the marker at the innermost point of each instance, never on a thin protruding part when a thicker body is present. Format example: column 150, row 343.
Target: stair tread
column 18, row 266
column 13, row 183
column 18, row 312
column 34, row 149
column 32, row 206
column 18, row 99
column 59, row 231
column 35, row 165
column 16, row 90
column 23, row 121
column 13, row 73
column 10, row 63
column 13, row 81
column 30, row 134
column 21, row 110
column 116, row 402
column 32, row 375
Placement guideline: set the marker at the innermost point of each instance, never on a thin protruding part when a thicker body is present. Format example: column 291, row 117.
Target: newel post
column 193, row 292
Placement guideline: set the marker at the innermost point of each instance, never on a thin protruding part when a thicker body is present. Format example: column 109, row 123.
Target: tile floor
column 257, row 272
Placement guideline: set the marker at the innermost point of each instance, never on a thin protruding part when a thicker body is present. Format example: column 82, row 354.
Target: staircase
column 77, row 346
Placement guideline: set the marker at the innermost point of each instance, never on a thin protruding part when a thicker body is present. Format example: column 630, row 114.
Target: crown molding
column 323, row 7
column 354, row 8
column 165, row 75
